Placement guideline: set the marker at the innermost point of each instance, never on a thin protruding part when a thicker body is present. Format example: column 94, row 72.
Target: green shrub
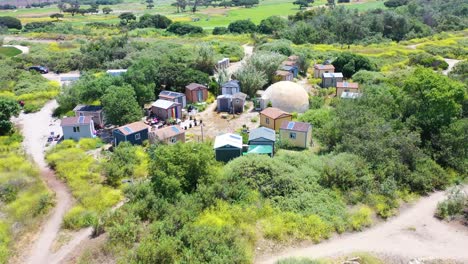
column 242, row 26
column 184, row 28
column 220, row 30
column 361, row 218
column 453, row 205
column 428, row 61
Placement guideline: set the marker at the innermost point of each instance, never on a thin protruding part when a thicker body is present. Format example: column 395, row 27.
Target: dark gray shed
column 227, row 147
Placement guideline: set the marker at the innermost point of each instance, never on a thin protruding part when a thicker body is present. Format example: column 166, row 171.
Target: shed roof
column 241, row 96
column 262, row 132
column 231, row 84
column 274, row 113
column 347, row 85
column 296, row 126
column 260, row 149
column 283, row 73
column 228, row 139
column 194, row 86
column 289, row 63
column 324, row 67
column 76, row 121
column 288, row 68
column 164, row 104
column 116, row 71
column 88, row 108
column 171, row 94
column 132, row 128
column 332, row 75
column 168, row 132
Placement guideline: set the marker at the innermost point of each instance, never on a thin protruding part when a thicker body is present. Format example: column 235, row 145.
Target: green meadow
column 9, row 51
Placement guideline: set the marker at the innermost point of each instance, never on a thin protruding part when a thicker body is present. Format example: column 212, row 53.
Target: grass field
column 9, row 51
column 209, row 17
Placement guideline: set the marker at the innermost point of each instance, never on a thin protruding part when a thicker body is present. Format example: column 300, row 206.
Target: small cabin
column 262, row 136
column 296, row 134
column 165, row 109
column 272, row 117
column 342, row 87
column 78, row 127
column 135, row 133
column 167, row 135
column 174, row 97
column 320, row 69
column 230, row 87
column 94, row 111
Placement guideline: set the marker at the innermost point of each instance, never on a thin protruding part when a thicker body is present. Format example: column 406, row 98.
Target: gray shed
column 238, row 102
column 224, row 103
column 227, row 147
column 331, row 78
column 262, row 136
column 230, row 87
column 78, row 127
column 174, row 97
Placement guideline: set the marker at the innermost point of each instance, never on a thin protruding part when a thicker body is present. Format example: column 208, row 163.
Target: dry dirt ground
column 415, row 233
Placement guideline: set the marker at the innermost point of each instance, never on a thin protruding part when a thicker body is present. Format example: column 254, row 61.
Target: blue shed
column 230, row 87
column 292, row 69
column 135, row 133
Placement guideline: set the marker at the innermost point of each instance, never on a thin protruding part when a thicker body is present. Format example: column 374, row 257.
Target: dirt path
column 451, row 63
column 36, row 128
column 415, row 233
column 23, row 49
column 233, row 67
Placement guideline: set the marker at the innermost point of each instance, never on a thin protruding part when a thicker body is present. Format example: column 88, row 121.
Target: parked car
column 40, row 69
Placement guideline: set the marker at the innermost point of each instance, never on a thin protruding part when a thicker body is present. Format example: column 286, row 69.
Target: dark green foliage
column 179, row 28
column 121, row 164
column 120, row 105
column 279, row 46
column 126, row 17
column 10, row 22
column 220, row 30
column 454, row 205
column 427, row 61
column 179, row 168
column 395, row 3
column 345, row 171
column 156, row 21
column 123, row 227
column 33, row 26
column 350, row 63
column 242, row 26
column 8, row 108
column 303, row 3
column 272, row 24
column 451, row 146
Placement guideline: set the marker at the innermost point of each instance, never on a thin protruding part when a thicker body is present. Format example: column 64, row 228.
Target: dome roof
column 287, row 96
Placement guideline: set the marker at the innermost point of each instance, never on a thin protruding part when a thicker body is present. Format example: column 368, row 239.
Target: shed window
column 76, row 129
column 173, row 139
column 292, row 135
column 137, row 136
column 267, row 121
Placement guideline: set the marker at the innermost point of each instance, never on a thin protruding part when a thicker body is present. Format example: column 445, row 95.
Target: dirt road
column 451, row 63
column 415, row 233
column 36, row 128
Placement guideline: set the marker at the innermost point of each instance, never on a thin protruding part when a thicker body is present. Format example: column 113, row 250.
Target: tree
column 150, row 4
column 156, row 21
column 251, row 80
column 350, row 63
column 184, row 28
column 8, row 108
column 460, row 71
column 121, row 164
column 266, row 62
column 120, row 105
column 106, row 10
column 331, row 3
column 10, row 22
column 272, row 24
column 431, row 101
column 180, row 168
column 205, row 60
column 242, row 26
column 180, row 4
column 303, row 3
column 56, row 16
column 126, row 17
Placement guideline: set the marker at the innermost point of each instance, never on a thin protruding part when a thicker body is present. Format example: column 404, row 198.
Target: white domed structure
column 287, row 96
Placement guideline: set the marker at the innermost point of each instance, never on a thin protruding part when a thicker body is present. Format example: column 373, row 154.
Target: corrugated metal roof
column 324, row 66
column 230, row 139
column 171, row 94
column 164, row 104
column 241, row 96
column 88, row 108
column 350, row 95
column 274, row 113
column 231, row 84
column 194, row 86
column 168, row 132
column 347, row 85
column 333, row 75
column 262, row 132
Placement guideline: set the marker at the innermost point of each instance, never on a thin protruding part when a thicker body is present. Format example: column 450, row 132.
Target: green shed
column 227, row 147
column 260, row 149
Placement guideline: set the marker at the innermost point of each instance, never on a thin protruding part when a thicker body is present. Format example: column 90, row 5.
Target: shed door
column 200, row 95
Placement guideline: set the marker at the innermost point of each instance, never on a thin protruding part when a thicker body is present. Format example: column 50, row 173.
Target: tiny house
column 320, row 69
column 272, row 117
column 78, row 127
column 296, row 134
column 342, row 87
column 230, row 87
column 94, row 111
column 331, row 79
column 165, row 109
column 135, row 133
column 262, row 136
column 168, row 135
column 174, row 97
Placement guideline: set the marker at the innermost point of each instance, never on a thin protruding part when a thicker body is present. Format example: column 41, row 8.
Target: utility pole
column 201, row 126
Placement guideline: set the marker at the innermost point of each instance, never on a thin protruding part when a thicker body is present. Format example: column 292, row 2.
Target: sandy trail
column 415, row 233
column 233, row 67
column 36, row 127
column 451, row 63
column 23, row 49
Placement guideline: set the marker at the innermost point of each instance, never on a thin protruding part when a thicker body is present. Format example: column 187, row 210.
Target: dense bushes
column 184, row 29
column 156, row 21
column 350, row 63
column 272, row 24
column 220, row 30
column 10, row 22
column 428, row 61
column 454, row 205
column 242, row 26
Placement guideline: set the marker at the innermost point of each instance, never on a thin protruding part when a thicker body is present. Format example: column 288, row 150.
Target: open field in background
column 209, row 17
